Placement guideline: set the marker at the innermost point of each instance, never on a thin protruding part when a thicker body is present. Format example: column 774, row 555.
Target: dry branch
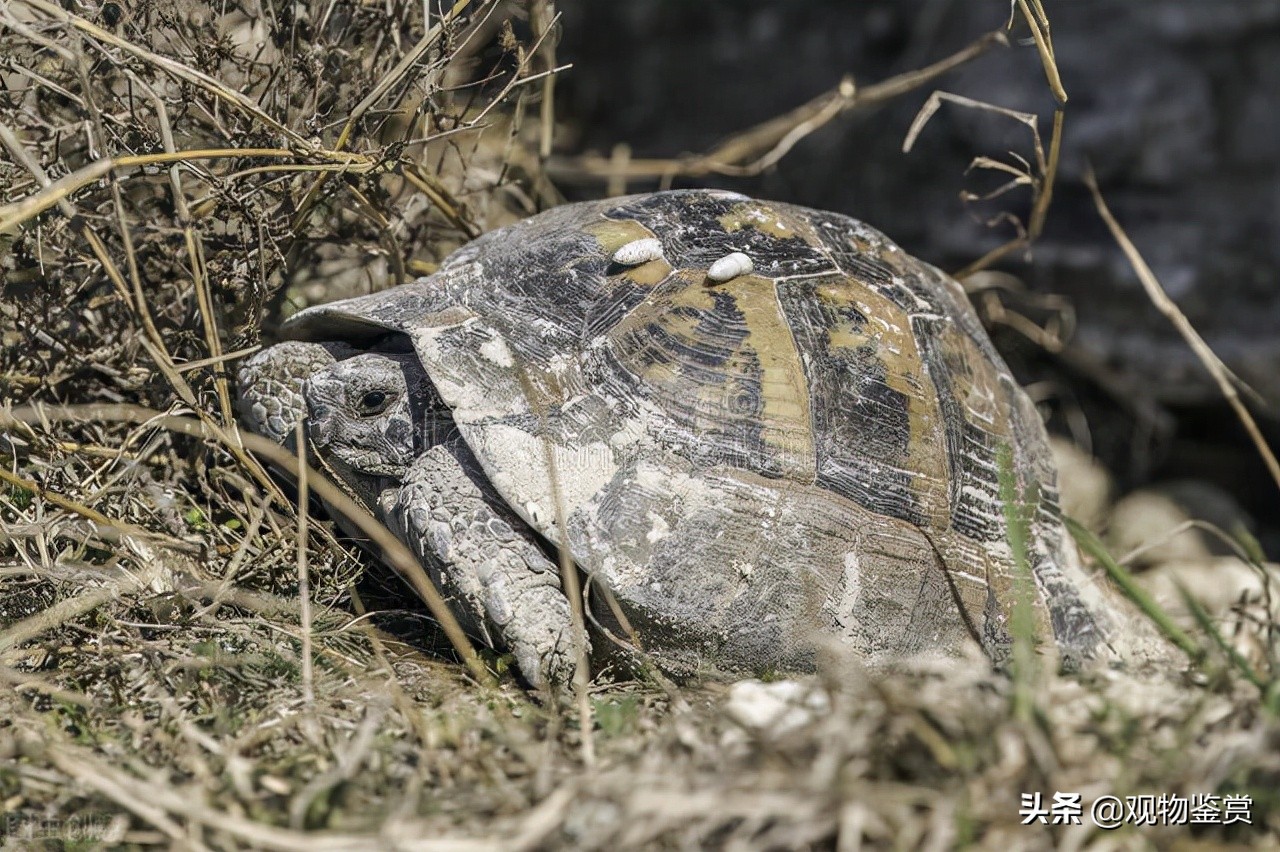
column 755, row 149
column 395, row 551
column 1223, row 377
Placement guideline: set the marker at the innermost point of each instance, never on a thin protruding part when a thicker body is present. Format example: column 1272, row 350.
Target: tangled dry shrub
column 171, row 175
column 168, row 169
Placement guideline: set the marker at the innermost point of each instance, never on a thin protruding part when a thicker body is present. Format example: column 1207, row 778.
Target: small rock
column 1084, row 485
column 1144, row 521
column 777, row 708
column 729, row 267
column 1241, row 600
column 1218, row 583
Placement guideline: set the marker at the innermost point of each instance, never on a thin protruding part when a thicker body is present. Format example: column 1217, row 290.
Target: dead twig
column 1039, row 24
column 152, row 340
column 161, row 805
column 56, row 192
column 153, row 568
column 397, row 554
column 1223, row 377
column 80, row 509
column 388, row 80
column 304, row 577
column 177, row 69
column 21, row 681
column 753, row 150
column 1039, row 179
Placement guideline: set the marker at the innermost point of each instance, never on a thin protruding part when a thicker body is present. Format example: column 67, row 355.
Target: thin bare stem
column 406, row 63
column 57, row 192
column 80, row 509
column 1040, row 209
column 1156, row 293
column 171, row 66
column 1040, row 32
column 304, row 575
column 756, row 148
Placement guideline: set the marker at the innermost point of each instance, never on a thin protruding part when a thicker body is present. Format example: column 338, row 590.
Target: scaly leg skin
column 487, row 560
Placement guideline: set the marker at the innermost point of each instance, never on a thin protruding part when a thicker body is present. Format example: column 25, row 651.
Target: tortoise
column 752, row 424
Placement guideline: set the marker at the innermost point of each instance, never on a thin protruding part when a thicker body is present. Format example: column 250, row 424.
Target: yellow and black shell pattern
column 759, row 423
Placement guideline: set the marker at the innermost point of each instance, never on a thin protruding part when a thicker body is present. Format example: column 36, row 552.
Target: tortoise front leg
column 486, row 560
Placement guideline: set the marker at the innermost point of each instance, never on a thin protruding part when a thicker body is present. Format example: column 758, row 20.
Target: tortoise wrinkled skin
column 811, row 448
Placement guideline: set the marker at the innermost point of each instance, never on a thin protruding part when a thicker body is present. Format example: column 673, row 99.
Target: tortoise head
column 358, row 407
column 360, row 413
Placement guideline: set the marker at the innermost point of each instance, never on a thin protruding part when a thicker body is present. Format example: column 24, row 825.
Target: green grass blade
column 1205, row 622
column 1017, row 515
column 1122, row 578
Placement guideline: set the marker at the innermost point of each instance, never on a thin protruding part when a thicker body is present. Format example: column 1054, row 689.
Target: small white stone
column 777, row 708
column 730, row 266
column 637, row 252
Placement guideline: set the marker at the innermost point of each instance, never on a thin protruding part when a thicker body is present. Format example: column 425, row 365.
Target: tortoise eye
column 374, row 403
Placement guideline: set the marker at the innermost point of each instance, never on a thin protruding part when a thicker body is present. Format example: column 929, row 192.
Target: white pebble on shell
column 637, row 252
column 730, row 266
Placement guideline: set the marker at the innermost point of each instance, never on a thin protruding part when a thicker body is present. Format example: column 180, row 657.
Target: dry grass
column 170, row 180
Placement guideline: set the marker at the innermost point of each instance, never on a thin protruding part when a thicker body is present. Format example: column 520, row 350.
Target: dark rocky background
column 1175, row 102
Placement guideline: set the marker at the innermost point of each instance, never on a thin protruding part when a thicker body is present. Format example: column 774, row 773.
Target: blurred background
column 1175, row 103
